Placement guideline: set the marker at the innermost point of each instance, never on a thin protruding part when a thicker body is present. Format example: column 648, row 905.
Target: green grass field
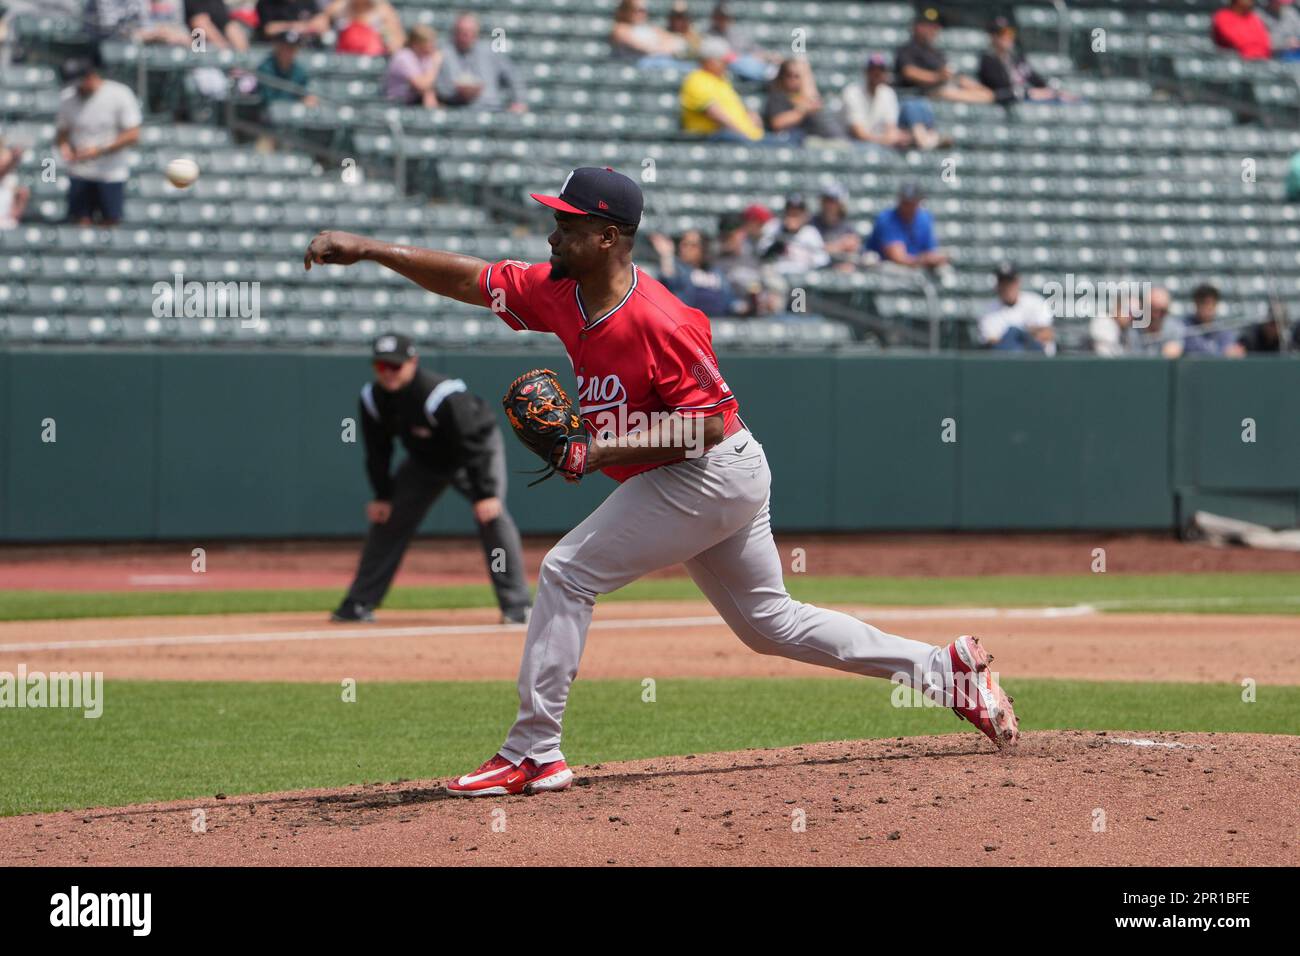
column 1273, row 593
column 159, row 740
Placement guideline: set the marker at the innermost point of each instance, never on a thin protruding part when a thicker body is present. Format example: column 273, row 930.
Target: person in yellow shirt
column 710, row 104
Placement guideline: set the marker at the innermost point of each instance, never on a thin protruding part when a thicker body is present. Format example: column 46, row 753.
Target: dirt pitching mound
column 1061, row 798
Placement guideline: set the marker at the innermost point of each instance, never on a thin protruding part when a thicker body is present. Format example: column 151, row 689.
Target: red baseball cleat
column 977, row 695
column 499, row 777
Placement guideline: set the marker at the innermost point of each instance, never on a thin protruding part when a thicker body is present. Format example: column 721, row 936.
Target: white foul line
column 943, row 613
column 380, row 632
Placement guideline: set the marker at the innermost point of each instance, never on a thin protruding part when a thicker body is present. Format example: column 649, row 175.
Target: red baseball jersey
column 649, row 354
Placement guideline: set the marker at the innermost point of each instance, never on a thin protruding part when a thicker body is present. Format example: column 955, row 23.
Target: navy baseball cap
column 76, row 69
column 598, row 191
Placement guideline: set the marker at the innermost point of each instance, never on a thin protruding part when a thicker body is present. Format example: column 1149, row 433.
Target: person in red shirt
column 694, row 483
column 1238, row 27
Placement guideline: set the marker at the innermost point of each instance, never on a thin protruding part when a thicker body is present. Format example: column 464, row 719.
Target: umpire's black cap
column 393, row 348
column 598, row 191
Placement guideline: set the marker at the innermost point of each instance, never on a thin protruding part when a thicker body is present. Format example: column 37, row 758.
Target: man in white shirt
column 790, row 242
column 97, row 122
column 1017, row 321
column 872, row 115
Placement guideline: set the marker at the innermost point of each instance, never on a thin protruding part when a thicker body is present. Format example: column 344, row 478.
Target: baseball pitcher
column 658, row 417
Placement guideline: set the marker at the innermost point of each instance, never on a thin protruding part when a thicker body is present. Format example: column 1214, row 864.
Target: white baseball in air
column 182, row 172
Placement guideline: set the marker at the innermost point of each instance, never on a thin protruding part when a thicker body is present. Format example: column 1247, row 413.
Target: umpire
column 451, row 438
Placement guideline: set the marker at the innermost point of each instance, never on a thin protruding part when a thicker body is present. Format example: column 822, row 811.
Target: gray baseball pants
column 710, row 513
column 416, row 487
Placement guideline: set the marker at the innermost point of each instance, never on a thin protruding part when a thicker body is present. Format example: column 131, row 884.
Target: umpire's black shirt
column 441, row 424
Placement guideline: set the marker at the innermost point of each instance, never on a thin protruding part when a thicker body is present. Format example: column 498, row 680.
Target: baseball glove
column 546, row 421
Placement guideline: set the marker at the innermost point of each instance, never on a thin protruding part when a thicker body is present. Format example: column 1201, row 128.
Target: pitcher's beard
column 558, row 271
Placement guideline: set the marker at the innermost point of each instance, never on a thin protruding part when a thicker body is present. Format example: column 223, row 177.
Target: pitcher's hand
column 334, row 248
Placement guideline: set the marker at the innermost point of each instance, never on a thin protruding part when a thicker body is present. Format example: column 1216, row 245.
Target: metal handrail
column 1063, row 27
column 932, row 305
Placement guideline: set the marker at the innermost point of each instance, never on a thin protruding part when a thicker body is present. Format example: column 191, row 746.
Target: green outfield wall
column 209, row 444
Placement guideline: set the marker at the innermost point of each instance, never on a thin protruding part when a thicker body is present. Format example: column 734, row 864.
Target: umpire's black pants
column 416, row 487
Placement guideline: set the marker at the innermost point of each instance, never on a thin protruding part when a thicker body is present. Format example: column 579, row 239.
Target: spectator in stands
column 1004, row 69
column 1018, row 321
column 1136, row 328
column 301, row 17
column 366, row 27
column 871, row 111
column 687, row 271
column 220, row 30
column 116, row 19
column 790, row 242
column 748, row 61
column 98, row 120
column 1238, row 27
column 413, row 70
column 679, row 24
column 793, row 110
column 755, row 216
column 1267, row 336
column 13, row 197
column 1283, row 23
column 843, row 243
column 283, row 65
column 904, row 235
column 1199, row 335
column 633, row 37
column 923, row 70
column 758, row 291
column 737, row 261
column 143, row 21
column 165, row 23
column 1110, row 334
column 1151, row 337
column 710, row 104
column 475, row 75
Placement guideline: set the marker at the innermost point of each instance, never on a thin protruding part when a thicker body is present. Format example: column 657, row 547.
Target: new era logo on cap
column 597, row 191
column 393, row 347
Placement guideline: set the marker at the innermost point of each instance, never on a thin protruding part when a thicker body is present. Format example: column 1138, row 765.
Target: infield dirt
column 1065, row 797
column 296, row 564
